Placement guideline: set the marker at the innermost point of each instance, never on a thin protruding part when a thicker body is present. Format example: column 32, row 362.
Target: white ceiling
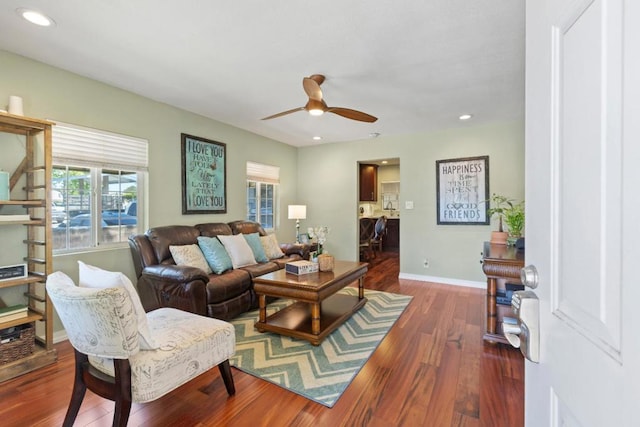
column 415, row 64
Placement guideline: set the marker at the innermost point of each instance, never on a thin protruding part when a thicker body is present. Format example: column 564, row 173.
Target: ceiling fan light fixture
column 315, row 107
column 35, row 17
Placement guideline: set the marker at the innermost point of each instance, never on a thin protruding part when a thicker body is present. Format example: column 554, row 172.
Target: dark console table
column 501, row 264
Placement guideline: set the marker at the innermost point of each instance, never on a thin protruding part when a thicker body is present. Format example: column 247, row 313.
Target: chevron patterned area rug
column 320, row 373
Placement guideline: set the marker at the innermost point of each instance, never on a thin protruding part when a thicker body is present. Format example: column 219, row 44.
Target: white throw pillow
column 271, row 246
column 190, row 255
column 238, row 249
column 94, row 277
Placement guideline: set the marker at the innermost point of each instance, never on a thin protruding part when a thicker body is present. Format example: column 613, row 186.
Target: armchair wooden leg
column 121, row 413
column 79, row 390
column 225, row 373
column 122, row 391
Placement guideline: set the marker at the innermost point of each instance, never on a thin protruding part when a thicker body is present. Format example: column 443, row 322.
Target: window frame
column 262, row 174
column 100, row 164
column 258, row 205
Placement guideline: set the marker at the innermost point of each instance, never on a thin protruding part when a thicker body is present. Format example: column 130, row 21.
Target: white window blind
column 263, row 173
column 82, row 146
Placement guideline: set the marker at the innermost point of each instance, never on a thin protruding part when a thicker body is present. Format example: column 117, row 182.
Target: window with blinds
column 98, row 187
column 262, row 193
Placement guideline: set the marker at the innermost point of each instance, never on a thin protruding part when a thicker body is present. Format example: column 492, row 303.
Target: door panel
column 587, row 68
column 582, row 156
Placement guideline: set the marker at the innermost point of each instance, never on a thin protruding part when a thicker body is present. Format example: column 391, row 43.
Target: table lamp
column 297, row 212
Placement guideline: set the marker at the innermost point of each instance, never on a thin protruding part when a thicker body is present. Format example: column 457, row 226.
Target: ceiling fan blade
column 311, row 86
column 352, row 114
column 284, row 113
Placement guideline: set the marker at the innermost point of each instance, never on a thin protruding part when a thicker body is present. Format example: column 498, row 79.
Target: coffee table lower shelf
column 295, row 320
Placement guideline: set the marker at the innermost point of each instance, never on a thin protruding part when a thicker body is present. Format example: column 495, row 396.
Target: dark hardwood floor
column 432, row 369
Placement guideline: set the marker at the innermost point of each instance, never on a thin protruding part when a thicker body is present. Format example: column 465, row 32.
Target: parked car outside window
column 108, row 219
column 58, row 213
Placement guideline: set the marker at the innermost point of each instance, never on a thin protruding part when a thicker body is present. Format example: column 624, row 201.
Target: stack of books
column 13, row 312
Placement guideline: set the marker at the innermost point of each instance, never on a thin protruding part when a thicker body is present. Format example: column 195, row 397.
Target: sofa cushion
column 162, row 237
column 227, row 285
column 256, row 270
column 244, row 226
column 271, row 247
column 189, row 255
column 94, row 277
column 213, row 229
column 253, row 240
column 215, row 254
column 238, row 250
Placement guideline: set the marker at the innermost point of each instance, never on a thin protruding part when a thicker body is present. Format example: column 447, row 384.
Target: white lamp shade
column 297, row 211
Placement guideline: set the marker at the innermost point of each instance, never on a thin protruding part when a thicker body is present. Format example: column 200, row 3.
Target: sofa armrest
column 301, row 249
column 178, row 273
column 181, row 287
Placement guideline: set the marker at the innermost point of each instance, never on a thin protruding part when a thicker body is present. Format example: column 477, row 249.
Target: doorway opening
column 378, row 213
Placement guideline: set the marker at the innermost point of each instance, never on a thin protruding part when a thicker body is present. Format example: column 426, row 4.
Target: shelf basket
column 18, row 348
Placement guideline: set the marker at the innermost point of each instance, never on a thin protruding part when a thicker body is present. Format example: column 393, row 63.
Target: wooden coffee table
column 318, row 310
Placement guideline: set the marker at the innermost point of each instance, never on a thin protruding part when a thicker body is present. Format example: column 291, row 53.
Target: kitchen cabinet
column 368, row 182
column 391, row 241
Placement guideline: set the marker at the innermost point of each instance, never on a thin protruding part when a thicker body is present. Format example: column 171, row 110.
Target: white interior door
column 583, row 210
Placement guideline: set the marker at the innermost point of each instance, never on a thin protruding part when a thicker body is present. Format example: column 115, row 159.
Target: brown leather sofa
column 162, row 283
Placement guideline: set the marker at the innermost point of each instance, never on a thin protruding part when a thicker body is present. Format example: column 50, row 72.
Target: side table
column 501, row 264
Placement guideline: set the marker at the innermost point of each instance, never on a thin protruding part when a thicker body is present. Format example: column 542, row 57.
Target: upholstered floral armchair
column 126, row 355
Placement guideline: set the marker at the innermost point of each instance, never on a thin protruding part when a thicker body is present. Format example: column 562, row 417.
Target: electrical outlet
column 426, row 263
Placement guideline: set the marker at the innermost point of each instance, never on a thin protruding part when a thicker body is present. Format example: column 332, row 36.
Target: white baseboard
column 444, row 280
column 59, row 336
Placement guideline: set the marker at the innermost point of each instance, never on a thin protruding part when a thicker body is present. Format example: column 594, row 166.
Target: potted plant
column 514, row 218
column 500, row 206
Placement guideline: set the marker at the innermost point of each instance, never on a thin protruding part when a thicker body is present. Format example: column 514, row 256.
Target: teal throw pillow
column 255, row 244
column 215, row 254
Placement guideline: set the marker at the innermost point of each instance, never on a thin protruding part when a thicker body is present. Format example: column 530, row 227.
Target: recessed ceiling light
column 36, row 17
column 465, row 116
column 384, row 162
column 317, row 138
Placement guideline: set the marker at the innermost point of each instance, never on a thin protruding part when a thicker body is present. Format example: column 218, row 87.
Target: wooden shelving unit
column 36, row 169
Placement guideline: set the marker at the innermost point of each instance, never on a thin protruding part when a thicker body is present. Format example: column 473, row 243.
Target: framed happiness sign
column 462, row 187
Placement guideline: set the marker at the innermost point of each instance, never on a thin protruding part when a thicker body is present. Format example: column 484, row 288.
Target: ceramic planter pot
column 499, row 237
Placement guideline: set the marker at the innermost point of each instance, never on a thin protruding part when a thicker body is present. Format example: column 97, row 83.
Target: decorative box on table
column 301, row 267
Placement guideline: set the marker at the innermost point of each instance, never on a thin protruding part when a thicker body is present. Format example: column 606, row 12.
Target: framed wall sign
column 204, row 175
column 462, row 188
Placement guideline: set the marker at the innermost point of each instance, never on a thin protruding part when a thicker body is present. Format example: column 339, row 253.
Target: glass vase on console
column 320, row 234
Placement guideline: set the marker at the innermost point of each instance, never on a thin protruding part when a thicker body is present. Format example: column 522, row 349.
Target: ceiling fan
column 316, row 105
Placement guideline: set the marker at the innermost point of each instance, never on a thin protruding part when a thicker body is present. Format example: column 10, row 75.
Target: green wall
column 327, row 183
column 55, row 94
column 453, row 251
